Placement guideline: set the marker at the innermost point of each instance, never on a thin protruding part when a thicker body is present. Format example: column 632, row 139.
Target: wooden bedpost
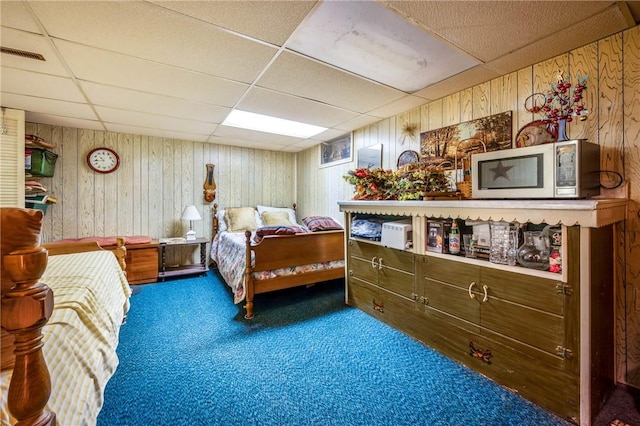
column 248, row 288
column 215, row 226
column 26, row 308
column 121, row 254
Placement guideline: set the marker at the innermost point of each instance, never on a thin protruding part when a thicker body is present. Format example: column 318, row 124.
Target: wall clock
column 103, row 160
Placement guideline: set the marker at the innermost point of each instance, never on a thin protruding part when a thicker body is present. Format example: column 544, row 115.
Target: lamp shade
column 190, row 213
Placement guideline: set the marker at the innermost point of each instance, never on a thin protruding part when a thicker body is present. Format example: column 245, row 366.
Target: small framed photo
column 336, row 151
column 370, row 157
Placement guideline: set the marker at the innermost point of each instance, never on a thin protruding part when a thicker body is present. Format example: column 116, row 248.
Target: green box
column 40, row 162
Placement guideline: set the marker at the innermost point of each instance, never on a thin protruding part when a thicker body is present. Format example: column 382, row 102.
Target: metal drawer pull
column 486, row 291
column 378, row 307
column 471, row 295
column 380, row 265
column 373, row 262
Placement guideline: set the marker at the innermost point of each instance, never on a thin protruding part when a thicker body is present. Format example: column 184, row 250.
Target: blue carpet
column 188, row 358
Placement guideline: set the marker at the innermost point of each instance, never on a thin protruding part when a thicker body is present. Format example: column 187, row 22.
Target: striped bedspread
column 91, row 296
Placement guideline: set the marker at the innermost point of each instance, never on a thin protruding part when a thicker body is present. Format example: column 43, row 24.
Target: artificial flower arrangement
column 410, row 182
column 559, row 105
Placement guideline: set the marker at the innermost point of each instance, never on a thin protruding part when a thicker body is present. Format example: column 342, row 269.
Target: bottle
column 454, row 239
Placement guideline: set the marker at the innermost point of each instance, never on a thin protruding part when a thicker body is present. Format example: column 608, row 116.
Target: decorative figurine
column 209, row 185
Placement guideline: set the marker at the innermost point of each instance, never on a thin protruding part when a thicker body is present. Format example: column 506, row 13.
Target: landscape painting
column 449, row 147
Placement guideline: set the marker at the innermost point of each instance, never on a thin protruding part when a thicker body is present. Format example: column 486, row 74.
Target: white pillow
column 240, row 219
column 275, row 219
column 291, row 212
column 222, row 224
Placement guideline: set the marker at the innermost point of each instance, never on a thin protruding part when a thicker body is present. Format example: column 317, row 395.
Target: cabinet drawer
column 535, row 292
column 363, row 269
column 452, row 300
column 398, row 259
column 362, row 295
column 396, row 281
column 533, row 327
column 448, row 271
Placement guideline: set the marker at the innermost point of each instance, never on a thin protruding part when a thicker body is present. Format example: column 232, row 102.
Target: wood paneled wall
column 613, row 96
column 157, row 178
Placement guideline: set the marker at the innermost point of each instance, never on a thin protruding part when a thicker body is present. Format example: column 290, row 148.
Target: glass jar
column 504, row 243
column 534, row 252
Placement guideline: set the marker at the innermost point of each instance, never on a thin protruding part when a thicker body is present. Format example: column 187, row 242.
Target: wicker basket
column 465, row 188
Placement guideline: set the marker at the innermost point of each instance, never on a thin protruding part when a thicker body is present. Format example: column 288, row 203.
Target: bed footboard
column 282, row 251
column 26, row 308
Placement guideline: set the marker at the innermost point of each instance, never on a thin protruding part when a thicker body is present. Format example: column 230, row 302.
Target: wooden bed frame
column 26, row 308
column 281, row 251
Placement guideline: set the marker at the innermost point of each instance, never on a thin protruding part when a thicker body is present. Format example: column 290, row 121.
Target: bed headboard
column 215, row 221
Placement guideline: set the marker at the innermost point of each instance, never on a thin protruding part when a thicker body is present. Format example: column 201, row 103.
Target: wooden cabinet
column 508, row 326
column 381, row 280
column 547, row 336
column 142, row 263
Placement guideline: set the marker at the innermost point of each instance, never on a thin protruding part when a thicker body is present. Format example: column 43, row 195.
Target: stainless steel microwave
column 567, row 169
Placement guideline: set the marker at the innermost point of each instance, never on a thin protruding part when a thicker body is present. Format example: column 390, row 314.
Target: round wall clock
column 103, row 160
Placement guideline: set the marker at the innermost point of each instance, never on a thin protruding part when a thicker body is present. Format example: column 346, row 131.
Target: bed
column 64, row 305
column 260, row 251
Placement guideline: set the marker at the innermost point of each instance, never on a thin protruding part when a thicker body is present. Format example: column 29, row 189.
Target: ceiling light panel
column 268, row 124
column 367, row 39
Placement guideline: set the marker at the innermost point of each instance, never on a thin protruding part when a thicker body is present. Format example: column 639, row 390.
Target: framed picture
column 408, row 157
column 370, row 157
column 446, row 146
column 336, row 151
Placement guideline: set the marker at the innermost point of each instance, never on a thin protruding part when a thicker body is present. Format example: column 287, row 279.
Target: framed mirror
column 370, row 157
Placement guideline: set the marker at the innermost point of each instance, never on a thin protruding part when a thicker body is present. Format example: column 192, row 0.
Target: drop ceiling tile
column 254, row 144
column 48, row 106
column 31, row 43
column 271, row 21
column 161, row 133
column 14, row 14
column 497, row 27
column 458, row 82
column 162, row 36
column 114, row 69
column 294, row 74
column 126, row 99
column 328, row 135
column 302, row 145
column 358, row 122
column 39, row 85
column 367, row 39
column 289, row 107
column 56, row 120
column 596, row 27
column 401, row 105
column 161, row 122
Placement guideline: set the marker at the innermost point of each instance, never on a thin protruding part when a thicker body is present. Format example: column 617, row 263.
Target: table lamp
column 191, row 213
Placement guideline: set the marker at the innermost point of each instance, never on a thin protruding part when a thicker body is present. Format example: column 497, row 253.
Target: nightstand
column 176, row 271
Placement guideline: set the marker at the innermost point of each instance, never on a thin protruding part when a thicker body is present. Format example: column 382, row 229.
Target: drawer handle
column 471, row 295
column 380, row 265
column 485, row 288
column 373, row 262
column 378, row 307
